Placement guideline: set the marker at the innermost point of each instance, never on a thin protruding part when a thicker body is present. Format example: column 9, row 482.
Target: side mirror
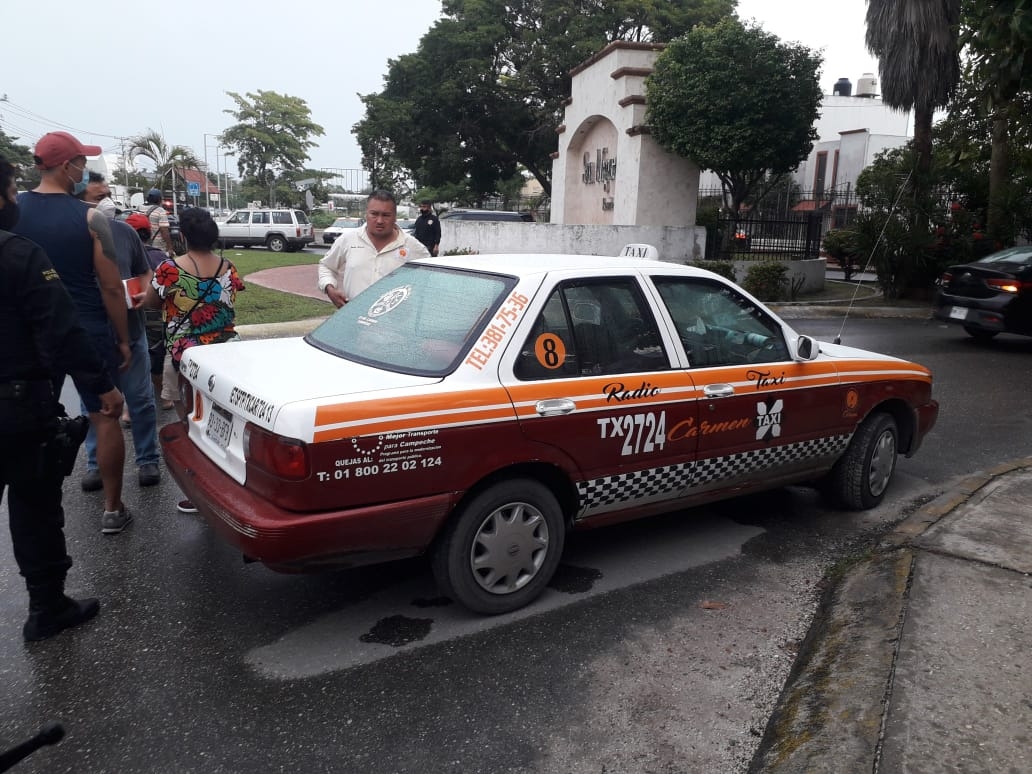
column 806, row 348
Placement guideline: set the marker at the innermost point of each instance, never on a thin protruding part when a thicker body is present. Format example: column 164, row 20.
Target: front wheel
column 276, row 243
column 501, row 548
column 860, row 478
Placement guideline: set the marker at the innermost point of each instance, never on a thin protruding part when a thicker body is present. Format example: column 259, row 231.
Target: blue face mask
column 80, row 185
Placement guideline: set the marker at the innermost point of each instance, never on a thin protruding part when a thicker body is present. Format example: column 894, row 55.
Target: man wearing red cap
column 78, row 241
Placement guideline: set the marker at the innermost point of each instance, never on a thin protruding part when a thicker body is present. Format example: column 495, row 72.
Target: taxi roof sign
column 648, row 252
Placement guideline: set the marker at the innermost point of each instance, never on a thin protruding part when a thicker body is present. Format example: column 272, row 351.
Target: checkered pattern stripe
column 737, row 465
column 638, row 485
column 652, row 482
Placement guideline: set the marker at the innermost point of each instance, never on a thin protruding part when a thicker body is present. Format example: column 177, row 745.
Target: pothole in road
column 398, row 630
column 574, row 580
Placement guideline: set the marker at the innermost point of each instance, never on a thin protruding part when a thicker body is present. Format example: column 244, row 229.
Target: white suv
column 277, row 229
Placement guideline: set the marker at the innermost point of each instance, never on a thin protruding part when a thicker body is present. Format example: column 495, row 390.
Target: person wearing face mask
column 105, row 203
column 78, row 241
column 39, row 334
column 140, row 412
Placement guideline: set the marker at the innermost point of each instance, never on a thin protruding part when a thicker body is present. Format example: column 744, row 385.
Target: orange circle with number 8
column 550, row 350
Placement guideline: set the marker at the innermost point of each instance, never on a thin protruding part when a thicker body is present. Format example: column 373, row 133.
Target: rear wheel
column 276, row 243
column 501, row 549
column 861, row 477
column 979, row 334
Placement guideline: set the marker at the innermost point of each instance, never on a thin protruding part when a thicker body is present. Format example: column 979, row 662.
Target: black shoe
column 91, row 481
column 45, row 622
column 149, row 475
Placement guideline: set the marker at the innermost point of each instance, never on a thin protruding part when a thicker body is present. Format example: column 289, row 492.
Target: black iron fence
column 784, row 239
column 782, row 225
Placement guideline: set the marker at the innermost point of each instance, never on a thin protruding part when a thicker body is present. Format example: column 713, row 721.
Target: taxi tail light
column 285, row 458
column 186, row 395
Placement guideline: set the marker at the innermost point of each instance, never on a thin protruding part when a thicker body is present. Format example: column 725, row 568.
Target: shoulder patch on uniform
column 50, row 274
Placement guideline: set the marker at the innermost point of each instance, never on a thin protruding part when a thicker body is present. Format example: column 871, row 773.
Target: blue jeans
column 138, row 390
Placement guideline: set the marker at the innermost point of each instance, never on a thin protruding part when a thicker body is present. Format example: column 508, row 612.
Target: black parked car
column 989, row 296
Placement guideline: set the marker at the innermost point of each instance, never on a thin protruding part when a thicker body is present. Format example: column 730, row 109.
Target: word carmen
column 688, row 429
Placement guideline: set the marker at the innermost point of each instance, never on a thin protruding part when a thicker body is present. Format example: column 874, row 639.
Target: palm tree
column 151, row 145
column 916, row 42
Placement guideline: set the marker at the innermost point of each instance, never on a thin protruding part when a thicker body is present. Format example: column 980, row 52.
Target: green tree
column 916, row 42
column 151, row 145
column 21, row 157
column 273, row 135
column 13, row 152
column 997, row 37
column 484, row 92
column 737, row 101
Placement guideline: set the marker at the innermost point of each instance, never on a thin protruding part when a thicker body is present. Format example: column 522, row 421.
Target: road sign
column 193, row 189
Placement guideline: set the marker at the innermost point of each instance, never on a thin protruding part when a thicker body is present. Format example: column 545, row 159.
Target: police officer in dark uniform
column 428, row 228
column 40, row 335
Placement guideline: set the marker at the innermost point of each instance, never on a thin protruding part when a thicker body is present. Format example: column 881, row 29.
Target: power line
column 37, row 118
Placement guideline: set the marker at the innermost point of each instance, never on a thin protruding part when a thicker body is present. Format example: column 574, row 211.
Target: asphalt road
column 661, row 647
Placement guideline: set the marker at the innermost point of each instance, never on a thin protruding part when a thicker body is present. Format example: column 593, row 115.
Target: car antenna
column 870, row 256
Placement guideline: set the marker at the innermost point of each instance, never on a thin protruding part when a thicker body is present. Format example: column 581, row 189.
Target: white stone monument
column 608, row 169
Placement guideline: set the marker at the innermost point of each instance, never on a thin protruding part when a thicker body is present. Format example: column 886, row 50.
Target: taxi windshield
column 418, row 320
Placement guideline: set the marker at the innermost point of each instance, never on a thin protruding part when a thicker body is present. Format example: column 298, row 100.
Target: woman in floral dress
column 196, row 292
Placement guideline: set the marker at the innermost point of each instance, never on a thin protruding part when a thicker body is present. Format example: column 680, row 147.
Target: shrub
column 767, row 281
column 321, row 218
column 723, row 268
column 841, row 244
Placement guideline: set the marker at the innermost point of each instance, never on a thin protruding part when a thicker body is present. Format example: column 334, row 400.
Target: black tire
column 276, row 243
column 979, row 334
column 861, row 477
column 500, row 549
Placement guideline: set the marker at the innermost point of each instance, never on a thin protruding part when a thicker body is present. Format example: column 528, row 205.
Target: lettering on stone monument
column 601, row 170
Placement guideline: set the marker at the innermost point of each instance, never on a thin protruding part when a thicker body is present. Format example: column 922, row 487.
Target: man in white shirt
column 358, row 260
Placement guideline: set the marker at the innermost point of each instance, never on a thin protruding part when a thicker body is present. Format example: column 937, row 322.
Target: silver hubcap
column 509, row 548
column 883, row 460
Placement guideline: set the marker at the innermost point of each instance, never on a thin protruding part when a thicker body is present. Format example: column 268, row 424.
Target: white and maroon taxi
column 478, row 407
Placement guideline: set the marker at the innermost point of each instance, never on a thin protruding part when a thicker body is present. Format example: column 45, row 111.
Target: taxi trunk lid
column 233, row 385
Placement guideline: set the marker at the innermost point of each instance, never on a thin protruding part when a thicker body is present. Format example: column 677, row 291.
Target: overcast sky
column 115, row 69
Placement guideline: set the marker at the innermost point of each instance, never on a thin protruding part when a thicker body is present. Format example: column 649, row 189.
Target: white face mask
column 107, row 206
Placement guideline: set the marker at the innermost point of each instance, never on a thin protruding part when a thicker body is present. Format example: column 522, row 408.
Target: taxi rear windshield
column 417, row 320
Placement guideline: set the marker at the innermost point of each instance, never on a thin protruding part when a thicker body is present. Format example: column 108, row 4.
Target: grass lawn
column 263, row 305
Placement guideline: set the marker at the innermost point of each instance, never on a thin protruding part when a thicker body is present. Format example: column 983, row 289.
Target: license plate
column 220, row 426
column 958, row 312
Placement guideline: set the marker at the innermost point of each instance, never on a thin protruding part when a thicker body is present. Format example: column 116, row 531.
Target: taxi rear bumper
column 297, row 541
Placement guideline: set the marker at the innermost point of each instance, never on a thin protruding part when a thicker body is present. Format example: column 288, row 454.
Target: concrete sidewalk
column 919, row 659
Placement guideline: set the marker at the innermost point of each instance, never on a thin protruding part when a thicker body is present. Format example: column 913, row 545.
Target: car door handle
column 718, row 390
column 555, row 407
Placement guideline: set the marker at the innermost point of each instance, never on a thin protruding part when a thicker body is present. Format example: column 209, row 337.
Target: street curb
column 830, row 714
column 805, row 311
